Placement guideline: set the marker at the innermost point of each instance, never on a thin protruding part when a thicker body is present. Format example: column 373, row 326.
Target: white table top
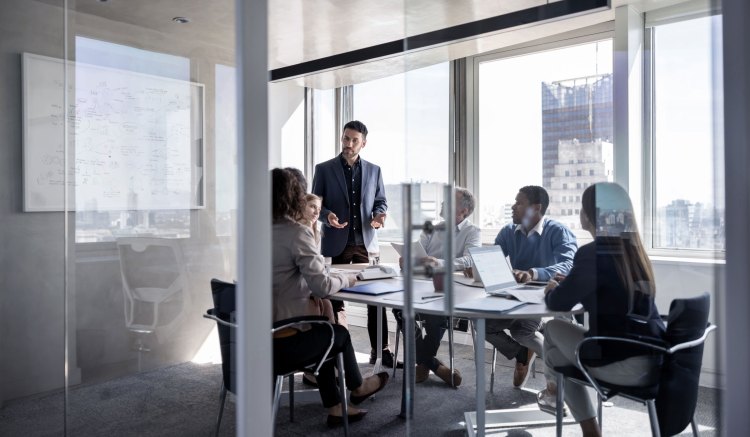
column 461, row 293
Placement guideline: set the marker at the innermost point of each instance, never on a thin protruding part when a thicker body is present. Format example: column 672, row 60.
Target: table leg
column 479, row 360
column 379, row 361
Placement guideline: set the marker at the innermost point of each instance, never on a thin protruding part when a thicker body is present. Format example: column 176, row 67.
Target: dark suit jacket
column 329, row 183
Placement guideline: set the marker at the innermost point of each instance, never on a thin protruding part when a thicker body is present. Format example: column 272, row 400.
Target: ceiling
column 305, row 30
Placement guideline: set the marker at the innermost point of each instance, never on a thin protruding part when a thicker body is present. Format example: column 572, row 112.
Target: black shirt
column 353, row 177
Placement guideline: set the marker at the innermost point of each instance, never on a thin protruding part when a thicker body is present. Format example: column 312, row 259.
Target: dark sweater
column 595, row 283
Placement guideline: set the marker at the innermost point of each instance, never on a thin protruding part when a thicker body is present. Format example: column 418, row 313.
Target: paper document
column 528, row 294
column 490, row 304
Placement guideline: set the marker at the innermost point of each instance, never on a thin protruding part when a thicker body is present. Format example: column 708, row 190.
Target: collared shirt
column 546, row 249
column 467, row 235
column 353, row 177
column 538, row 228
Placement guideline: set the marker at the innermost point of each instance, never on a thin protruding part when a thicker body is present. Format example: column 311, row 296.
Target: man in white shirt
column 466, row 235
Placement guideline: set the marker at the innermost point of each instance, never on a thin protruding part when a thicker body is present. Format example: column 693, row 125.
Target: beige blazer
column 299, row 271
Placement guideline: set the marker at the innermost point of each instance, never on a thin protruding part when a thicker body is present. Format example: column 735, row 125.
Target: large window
column 324, row 133
column 407, row 116
column 686, row 212
column 544, row 119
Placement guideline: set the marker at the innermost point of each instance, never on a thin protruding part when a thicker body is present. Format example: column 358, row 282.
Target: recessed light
column 181, row 20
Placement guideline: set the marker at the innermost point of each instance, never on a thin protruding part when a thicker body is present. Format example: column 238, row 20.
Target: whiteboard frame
column 198, row 200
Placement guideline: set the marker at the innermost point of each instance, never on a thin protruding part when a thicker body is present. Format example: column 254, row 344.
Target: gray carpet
column 182, row 400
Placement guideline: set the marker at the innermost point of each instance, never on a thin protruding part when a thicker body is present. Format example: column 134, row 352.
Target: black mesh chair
column 223, row 311
column 671, row 400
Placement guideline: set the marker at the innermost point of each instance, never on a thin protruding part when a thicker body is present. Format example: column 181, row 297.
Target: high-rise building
column 574, row 109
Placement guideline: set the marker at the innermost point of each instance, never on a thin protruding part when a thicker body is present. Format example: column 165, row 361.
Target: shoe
column 422, row 373
column 444, row 372
column 309, row 380
column 334, row 421
column 388, row 360
column 547, row 402
column 521, row 374
column 383, row 377
column 373, row 356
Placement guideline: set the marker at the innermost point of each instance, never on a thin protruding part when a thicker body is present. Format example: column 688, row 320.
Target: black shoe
column 388, row 360
column 382, row 380
column 334, row 421
column 373, row 356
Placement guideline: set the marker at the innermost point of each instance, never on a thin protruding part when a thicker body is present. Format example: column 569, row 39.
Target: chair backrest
column 153, row 271
column 224, row 295
column 678, row 386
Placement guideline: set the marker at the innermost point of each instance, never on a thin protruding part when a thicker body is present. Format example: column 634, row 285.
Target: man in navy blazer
column 353, row 207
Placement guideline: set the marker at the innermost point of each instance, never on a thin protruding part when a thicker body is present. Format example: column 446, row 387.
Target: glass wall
column 152, row 171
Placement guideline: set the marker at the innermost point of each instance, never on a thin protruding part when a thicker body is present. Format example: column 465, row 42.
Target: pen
column 431, row 297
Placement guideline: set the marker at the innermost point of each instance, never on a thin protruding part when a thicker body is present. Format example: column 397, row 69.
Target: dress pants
column 358, row 254
column 523, row 333
column 307, row 347
column 428, row 344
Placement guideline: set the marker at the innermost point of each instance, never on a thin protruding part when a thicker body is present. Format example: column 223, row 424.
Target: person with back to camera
column 298, row 273
column 354, row 207
column 612, row 277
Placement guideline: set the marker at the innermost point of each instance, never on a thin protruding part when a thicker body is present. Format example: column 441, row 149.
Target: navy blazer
column 330, row 184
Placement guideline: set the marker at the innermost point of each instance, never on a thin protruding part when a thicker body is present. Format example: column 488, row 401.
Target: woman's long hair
column 287, row 195
column 608, row 207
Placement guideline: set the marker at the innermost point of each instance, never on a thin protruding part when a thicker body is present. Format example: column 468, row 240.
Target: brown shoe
column 443, row 372
column 521, row 374
column 422, row 373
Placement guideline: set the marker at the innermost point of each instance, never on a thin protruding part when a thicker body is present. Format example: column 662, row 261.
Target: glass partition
column 152, row 171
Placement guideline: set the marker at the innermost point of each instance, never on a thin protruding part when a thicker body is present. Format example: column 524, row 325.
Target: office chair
column 224, row 306
column 671, row 400
column 153, row 275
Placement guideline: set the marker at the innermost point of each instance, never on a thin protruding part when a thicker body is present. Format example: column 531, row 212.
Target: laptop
column 496, row 274
column 417, row 251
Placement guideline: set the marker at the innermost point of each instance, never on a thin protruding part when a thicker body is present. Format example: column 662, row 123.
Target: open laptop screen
column 492, row 267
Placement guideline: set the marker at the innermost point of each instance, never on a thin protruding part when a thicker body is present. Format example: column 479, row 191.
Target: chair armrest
column 308, row 320
column 692, row 343
column 297, row 321
column 211, row 314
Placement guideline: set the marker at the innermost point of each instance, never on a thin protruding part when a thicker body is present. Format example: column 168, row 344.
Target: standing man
column 539, row 249
column 354, row 206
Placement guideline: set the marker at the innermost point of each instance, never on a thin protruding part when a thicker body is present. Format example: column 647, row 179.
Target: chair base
column 512, row 418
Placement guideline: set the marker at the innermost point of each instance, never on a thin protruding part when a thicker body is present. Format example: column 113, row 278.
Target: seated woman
column 298, row 273
column 613, row 279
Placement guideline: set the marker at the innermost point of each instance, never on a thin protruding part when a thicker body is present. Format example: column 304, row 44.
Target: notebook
column 376, row 288
column 493, row 269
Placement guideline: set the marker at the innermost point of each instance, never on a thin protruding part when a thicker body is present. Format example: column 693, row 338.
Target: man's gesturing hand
column 378, row 221
column 334, row 221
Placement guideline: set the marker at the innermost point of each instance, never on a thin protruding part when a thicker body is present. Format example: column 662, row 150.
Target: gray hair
column 466, row 200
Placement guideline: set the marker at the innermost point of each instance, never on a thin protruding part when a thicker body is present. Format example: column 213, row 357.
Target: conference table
column 461, row 294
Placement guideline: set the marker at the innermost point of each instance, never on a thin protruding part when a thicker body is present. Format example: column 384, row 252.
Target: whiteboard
column 135, row 141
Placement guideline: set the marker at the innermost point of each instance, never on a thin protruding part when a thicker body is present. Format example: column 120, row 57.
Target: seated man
column 466, row 235
column 539, row 249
